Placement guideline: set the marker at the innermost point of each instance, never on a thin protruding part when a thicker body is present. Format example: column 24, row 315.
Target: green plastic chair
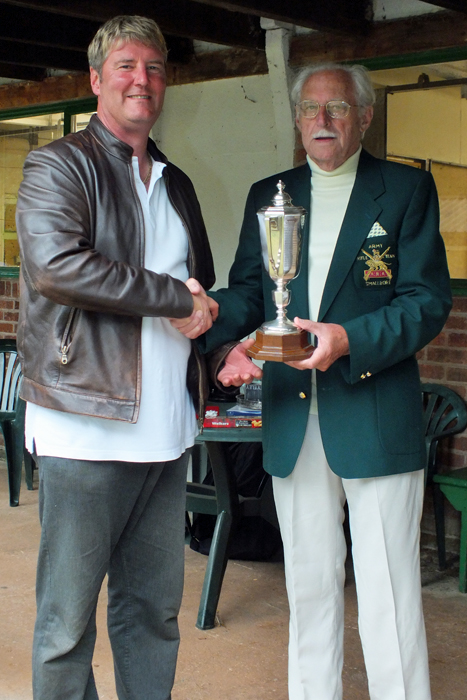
column 12, row 414
column 445, row 414
column 454, row 487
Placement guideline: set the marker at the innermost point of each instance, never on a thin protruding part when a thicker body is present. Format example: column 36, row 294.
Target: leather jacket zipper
column 66, row 339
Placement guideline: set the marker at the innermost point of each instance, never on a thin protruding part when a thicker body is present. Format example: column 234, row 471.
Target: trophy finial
column 281, row 197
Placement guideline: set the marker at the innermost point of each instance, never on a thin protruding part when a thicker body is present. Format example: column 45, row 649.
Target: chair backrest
column 444, row 414
column 10, row 376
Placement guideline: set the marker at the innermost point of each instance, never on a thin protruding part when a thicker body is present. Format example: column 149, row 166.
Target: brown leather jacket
column 84, row 289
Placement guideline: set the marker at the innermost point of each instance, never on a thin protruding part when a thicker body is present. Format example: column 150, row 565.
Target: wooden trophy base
column 281, row 348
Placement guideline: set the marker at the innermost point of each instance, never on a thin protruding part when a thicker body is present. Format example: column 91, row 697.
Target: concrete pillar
column 277, row 53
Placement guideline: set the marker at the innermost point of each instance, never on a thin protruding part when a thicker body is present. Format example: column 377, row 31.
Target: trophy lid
column 282, row 202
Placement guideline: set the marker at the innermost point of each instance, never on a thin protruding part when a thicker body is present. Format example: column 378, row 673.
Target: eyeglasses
column 337, row 109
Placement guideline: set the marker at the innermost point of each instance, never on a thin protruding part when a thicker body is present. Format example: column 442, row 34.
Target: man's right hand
column 238, row 368
column 205, row 311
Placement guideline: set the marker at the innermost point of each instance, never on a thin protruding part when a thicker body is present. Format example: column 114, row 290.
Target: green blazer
column 369, row 402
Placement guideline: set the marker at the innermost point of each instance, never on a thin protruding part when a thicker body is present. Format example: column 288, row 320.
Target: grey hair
column 364, row 92
column 123, row 29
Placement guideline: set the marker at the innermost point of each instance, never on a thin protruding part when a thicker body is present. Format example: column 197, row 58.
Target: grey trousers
column 125, row 520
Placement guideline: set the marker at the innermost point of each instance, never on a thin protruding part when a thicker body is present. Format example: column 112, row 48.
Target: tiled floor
column 244, row 658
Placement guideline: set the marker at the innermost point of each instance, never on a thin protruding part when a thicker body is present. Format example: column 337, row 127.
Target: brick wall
column 444, row 361
column 9, row 306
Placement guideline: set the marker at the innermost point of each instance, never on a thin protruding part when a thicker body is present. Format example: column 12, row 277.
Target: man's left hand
column 332, row 344
column 238, row 368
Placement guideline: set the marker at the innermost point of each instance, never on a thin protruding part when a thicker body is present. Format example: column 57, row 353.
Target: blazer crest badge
column 378, row 268
column 376, row 258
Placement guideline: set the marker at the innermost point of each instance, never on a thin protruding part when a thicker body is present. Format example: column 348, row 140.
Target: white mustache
column 324, row 134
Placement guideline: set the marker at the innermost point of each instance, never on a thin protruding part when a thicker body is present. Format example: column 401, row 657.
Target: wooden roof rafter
column 339, row 16
column 456, row 5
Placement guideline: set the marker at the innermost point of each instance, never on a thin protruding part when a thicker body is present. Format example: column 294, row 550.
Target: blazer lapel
column 362, row 212
column 298, row 187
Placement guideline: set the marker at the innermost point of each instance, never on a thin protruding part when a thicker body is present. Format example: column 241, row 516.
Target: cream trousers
column 384, row 514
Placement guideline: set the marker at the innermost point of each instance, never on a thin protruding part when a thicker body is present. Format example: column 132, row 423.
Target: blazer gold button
column 368, row 374
column 362, row 376
column 302, row 395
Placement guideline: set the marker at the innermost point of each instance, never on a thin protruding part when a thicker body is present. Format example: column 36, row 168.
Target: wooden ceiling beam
column 457, row 5
column 339, row 16
column 50, row 90
column 178, row 17
column 218, row 65
column 21, row 54
column 390, row 38
column 16, row 72
column 207, row 66
column 45, row 28
column 50, row 29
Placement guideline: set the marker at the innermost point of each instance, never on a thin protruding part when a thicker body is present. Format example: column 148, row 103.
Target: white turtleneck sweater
column 330, row 194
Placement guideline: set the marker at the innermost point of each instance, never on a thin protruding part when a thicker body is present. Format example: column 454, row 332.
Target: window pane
column 451, row 183
column 17, row 138
column 80, row 121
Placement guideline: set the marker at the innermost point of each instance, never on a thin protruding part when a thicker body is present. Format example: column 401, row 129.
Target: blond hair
column 123, row 29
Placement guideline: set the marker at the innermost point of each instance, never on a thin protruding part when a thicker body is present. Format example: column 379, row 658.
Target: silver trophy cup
column 281, row 228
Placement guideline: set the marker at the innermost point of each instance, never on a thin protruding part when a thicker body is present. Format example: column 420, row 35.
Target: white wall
column 222, row 134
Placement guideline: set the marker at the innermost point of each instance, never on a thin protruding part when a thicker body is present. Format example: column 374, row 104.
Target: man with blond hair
column 113, row 246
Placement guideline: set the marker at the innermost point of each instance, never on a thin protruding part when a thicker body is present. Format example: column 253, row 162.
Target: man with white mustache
column 345, row 425
column 113, row 246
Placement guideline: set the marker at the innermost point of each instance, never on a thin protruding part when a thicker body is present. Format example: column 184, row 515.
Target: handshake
column 238, row 368
column 205, row 311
